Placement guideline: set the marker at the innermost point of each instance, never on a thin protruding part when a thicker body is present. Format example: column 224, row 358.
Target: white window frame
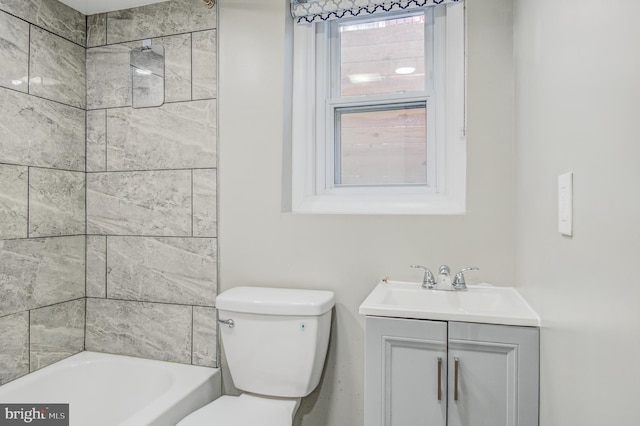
column 313, row 106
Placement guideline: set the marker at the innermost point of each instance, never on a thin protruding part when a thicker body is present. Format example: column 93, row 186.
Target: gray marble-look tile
column 97, row 30
column 160, row 19
column 56, row 202
column 96, row 266
column 14, row 356
column 57, row 69
column 51, row 15
column 148, row 330
column 109, row 76
column 174, row 136
column 14, row 52
column 13, row 201
column 38, row 132
column 177, row 66
column 155, row 203
column 205, row 62
column 169, row 270
column 204, row 203
column 204, row 336
column 57, row 332
column 40, row 272
column 97, row 140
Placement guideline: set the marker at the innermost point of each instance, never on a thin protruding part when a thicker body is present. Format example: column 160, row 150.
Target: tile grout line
column 106, row 29
column 43, row 306
column 86, row 267
column 153, row 36
column 192, row 327
column 40, row 167
column 179, row 169
column 86, row 187
column 29, row 338
column 153, row 302
column 191, row 57
column 51, row 100
column 192, row 203
column 29, row 64
column 106, row 268
column 28, row 199
column 110, row 235
column 106, row 141
column 42, row 237
column 86, row 316
column 147, row 170
column 215, row 98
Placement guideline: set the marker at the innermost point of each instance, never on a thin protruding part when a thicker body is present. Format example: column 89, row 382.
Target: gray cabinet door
column 404, row 360
column 497, row 375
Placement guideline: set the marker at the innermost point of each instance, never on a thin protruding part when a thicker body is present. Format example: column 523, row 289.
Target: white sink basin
column 482, row 303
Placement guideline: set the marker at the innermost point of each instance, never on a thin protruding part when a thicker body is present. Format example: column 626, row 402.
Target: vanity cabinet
column 439, row 373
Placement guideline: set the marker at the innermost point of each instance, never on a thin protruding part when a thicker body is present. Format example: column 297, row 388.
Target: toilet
column 275, row 341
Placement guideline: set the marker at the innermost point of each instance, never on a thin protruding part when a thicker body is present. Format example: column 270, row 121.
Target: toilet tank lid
column 275, row 301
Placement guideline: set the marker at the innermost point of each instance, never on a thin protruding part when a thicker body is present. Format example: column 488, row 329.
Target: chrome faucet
column 444, row 277
column 428, row 280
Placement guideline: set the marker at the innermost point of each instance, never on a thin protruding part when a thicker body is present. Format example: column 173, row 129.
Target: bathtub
column 114, row 390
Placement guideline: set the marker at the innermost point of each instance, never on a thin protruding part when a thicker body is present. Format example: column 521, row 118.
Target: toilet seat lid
column 244, row 410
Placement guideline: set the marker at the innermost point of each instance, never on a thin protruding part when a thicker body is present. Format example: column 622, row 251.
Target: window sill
column 431, row 204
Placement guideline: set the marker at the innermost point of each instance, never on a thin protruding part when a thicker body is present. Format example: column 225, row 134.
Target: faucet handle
column 458, row 282
column 428, row 281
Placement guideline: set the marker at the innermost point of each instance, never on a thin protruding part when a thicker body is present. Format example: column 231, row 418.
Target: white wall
column 260, row 245
column 577, row 91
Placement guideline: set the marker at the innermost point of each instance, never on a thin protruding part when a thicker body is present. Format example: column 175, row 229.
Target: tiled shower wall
column 130, row 230
column 151, row 188
column 42, row 184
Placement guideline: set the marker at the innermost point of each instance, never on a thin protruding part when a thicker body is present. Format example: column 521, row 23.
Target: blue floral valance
column 321, row 10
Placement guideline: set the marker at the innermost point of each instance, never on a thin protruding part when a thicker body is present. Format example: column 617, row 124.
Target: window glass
column 381, row 145
column 383, row 56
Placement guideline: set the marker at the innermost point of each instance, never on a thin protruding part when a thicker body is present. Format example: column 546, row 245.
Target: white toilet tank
column 278, row 342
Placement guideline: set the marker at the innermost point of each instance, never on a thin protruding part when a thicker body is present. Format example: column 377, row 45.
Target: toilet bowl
column 244, row 410
column 275, row 341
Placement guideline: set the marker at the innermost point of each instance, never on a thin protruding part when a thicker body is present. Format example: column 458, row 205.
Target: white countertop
column 482, row 303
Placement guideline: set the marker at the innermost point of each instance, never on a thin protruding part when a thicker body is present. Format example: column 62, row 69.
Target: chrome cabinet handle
column 229, row 323
column 439, row 379
column 456, row 363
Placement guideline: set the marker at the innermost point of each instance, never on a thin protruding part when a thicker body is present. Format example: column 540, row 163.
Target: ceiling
column 90, row 7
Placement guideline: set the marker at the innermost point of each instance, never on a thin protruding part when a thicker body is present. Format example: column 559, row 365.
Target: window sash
column 333, row 165
column 329, row 89
column 334, row 56
column 338, row 180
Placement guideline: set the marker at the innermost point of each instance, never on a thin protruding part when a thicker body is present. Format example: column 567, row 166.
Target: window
column 378, row 114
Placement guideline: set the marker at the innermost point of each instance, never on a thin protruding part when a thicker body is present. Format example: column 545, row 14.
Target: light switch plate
column 565, row 204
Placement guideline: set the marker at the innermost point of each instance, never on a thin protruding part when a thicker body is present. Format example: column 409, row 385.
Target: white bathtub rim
column 185, row 380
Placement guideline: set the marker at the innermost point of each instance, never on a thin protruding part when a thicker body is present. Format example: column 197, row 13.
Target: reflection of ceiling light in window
column 405, row 70
column 143, row 72
column 16, row 82
column 364, row 78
